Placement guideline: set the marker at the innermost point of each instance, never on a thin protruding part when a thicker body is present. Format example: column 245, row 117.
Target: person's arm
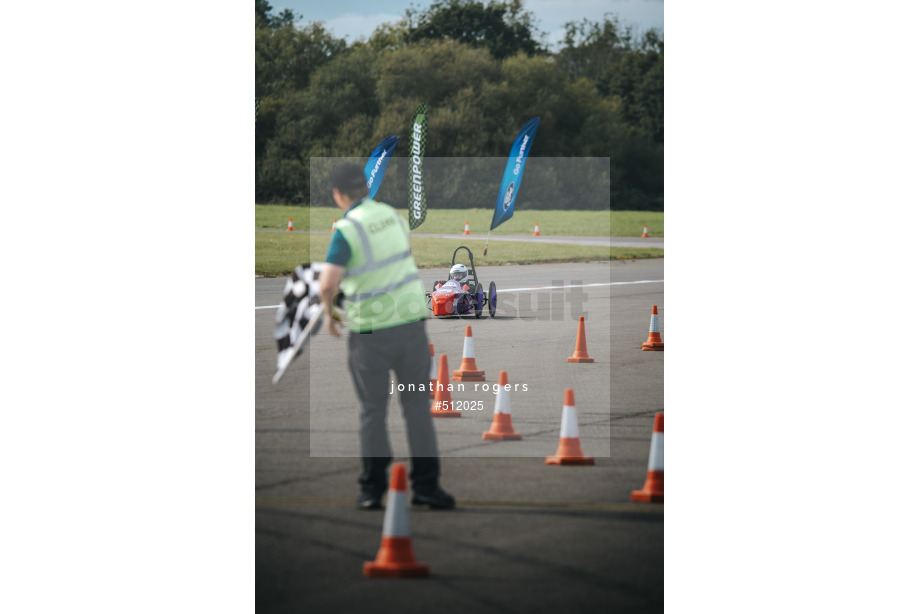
column 329, row 279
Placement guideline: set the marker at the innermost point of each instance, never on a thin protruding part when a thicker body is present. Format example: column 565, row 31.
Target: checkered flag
column 300, row 314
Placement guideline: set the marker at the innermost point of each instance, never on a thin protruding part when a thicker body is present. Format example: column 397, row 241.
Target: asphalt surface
column 559, row 239
column 526, row 537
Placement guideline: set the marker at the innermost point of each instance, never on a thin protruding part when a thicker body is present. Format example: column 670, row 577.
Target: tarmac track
column 560, row 239
column 526, row 537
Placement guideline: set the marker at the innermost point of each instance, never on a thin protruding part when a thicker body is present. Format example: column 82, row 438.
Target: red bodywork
column 442, row 303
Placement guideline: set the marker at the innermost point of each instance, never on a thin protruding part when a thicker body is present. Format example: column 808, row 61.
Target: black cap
column 347, row 177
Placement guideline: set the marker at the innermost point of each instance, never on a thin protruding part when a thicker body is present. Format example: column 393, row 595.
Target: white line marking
column 612, row 283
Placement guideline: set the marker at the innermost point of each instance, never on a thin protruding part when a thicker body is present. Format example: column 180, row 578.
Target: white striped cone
column 468, row 371
column 432, row 371
column 443, row 406
column 569, row 451
column 654, row 342
column 469, row 350
column 395, row 559
column 290, row 223
column 569, row 422
column 653, row 489
column 502, row 397
column 656, row 453
column 644, row 232
column 333, row 224
column 536, row 229
column 396, row 519
column 502, row 428
column 466, row 228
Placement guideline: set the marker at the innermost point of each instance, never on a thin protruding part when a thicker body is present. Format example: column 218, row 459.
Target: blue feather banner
column 377, row 164
column 514, row 172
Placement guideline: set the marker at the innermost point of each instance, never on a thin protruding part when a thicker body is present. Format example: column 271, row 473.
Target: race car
column 462, row 294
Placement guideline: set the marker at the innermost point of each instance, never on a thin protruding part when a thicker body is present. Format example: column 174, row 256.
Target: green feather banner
column 418, row 207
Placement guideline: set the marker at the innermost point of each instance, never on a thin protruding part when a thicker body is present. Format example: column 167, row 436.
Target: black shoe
column 436, row 500
column 369, row 502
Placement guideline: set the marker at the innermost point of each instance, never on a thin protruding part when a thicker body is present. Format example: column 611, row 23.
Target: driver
column 460, row 274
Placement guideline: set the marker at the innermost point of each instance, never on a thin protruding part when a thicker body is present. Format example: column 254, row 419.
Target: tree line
column 483, row 70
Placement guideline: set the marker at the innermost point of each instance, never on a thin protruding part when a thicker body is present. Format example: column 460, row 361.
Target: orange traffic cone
column 653, row 490
column 395, row 559
column 466, row 228
column 581, row 345
column 443, row 407
column 644, row 232
column 654, row 342
column 468, row 371
column 290, row 223
column 569, row 451
column 333, row 224
column 433, row 371
column 501, row 428
column 536, row 230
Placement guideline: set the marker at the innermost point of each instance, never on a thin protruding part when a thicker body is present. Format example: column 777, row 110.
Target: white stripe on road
column 612, row 283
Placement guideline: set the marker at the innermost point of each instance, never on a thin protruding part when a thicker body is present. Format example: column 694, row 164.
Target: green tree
column 265, row 18
column 452, row 78
column 282, row 175
column 286, row 56
column 621, row 65
column 504, row 28
column 342, row 98
column 590, row 48
column 263, row 13
column 600, row 96
column 638, row 80
column 433, row 71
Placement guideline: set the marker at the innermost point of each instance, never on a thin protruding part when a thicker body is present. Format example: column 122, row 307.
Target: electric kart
column 451, row 297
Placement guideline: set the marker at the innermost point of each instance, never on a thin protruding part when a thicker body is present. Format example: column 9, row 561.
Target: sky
column 351, row 19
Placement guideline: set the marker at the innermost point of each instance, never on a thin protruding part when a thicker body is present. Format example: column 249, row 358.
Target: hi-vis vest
column 381, row 284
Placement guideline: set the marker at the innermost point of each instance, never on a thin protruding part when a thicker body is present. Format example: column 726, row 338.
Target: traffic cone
column 395, row 559
column 653, row 490
column 569, row 451
column 468, row 371
column 536, row 230
column 501, row 428
column 644, row 232
column 443, row 407
column 466, row 229
column 433, row 371
column 654, row 342
column 290, row 223
column 333, row 224
column 581, row 345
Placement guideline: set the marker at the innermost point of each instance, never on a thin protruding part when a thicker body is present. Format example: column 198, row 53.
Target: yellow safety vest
column 381, row 283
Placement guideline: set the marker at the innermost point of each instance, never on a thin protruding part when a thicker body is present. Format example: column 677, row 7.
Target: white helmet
column 459, row 273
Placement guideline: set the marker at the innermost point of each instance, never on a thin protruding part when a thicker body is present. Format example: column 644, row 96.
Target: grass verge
column 451, row 221
column 277, row 254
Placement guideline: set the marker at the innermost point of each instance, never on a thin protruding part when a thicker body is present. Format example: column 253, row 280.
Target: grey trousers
column 371, row 356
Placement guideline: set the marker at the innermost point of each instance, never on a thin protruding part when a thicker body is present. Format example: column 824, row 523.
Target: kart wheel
column 493, row 297
column 479, row 300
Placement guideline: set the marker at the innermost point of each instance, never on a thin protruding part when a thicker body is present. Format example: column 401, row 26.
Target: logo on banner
column 416, row 171
column 373, row 176
column 508, row 194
